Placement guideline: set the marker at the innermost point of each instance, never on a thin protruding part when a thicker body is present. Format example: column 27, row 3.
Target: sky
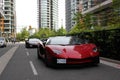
column 26, row 13
column 61, row 13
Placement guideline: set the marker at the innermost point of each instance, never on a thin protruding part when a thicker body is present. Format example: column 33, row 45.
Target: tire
column 46, row 61
column 5, row 45
column 38, row 52
column 96, row 61
column 49, row 63
column 27, row 46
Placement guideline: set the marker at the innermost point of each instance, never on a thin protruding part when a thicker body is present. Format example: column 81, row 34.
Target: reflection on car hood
column 74, row 51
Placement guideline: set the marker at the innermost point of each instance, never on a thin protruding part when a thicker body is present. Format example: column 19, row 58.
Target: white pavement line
column 110, row 64
column 5, row 58
column 33, row 68
column 27, row 53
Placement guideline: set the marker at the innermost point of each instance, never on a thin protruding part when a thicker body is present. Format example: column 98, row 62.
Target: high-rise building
column 71, row 6
column 1, row 8
column 87, row 4
column 1, row 25
column 100, row 9
column 1, row 18
column 48, row 14
column 10, row 18
column 68, row 14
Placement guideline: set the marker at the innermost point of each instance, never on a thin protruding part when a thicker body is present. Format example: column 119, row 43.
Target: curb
column 110, row 60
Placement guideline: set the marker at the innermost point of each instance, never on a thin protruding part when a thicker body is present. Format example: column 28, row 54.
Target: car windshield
column 34, row 40
column 66, row 40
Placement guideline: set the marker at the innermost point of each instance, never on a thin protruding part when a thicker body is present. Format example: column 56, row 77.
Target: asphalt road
column 24, row 65
column 4, row 50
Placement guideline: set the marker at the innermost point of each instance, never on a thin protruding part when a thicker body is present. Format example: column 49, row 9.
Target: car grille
column 78, row 61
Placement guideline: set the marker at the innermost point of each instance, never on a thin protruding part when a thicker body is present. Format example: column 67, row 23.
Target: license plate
column 63, row 61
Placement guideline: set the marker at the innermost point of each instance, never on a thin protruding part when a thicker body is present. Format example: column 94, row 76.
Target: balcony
column 104, row 4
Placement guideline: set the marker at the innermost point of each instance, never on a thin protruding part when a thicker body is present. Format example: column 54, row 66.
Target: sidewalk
column 110, row 62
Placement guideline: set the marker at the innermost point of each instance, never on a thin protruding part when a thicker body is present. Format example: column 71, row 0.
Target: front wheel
column 46, row 61
column 96, row 61
column 38, row 53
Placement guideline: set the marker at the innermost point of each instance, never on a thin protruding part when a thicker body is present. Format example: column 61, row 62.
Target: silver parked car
column 3, row 42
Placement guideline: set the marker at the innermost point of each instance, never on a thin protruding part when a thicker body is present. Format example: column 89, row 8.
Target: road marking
column 6, row 58
column 33, row 68
column 110, row 64
column 27, row 53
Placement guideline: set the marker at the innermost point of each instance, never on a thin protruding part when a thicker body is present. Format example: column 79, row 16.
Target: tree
column 23, row 35
column 43, row 33
column 18, row 36
column 87, row 21
column 116, row 11
column 78, row 18
column 83, row 22
column 61, row 31
column 116, row 4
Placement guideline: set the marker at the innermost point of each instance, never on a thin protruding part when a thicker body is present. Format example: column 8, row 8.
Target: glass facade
column 48, row 14
column 68, row 14
column 44, row 13
column 71, row 9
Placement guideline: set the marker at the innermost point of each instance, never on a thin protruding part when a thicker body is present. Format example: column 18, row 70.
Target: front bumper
column 2, row 45
column 91, row 60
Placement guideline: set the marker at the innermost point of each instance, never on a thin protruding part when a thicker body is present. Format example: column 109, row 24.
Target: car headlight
column 57, row 51
column 95, row 49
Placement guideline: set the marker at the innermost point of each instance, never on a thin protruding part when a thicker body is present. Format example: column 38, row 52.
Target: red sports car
column 68, row 50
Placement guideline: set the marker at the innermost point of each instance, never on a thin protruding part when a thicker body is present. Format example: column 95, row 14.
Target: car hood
column 73, row 51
